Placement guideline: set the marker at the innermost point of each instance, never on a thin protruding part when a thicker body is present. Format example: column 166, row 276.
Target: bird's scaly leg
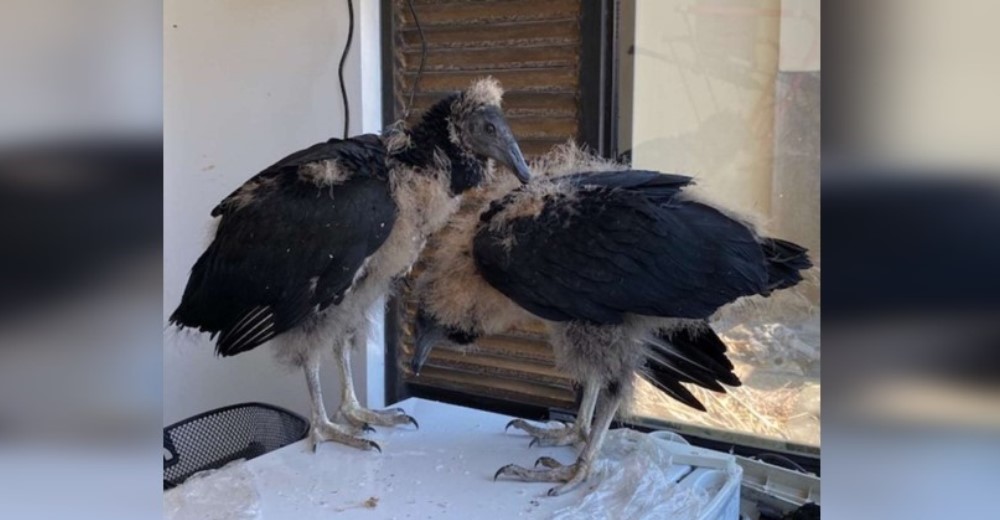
column 320, row 427
column 350, row 408
column 564, row 435
column 573, row 474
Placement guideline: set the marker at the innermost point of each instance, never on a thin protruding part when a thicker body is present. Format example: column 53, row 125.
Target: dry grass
column 744, row 409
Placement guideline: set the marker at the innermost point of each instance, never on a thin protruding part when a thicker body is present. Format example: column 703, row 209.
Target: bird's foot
column 359, row 430
column 328, row 431
column 564, row 435
column 360, row 417
column 571, row 475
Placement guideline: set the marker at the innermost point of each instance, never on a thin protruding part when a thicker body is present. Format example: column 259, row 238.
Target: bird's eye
column 490, row 129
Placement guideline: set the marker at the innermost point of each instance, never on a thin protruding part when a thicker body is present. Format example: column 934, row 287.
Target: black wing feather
column 653, row 184
column 363, row 154
column 784, row 261
column 611, row 249
column 693, row 354
column 294, row 250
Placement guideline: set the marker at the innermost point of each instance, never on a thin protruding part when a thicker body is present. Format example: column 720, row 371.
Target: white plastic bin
column 713, row 472
column 782, row 489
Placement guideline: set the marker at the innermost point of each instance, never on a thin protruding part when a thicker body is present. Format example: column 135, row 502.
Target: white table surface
column 443, row 470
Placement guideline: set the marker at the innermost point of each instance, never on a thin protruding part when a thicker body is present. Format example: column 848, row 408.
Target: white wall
column 246, row 83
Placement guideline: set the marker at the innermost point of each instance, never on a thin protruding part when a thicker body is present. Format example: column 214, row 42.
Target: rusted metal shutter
column 534, row 49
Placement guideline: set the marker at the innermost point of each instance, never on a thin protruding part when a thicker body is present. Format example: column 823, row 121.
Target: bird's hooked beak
column 515, row 161
column 426, row 332
column 508, row 153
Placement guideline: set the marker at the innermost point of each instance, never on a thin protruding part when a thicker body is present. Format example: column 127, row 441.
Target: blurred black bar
column 909, row 242
column 70, row 210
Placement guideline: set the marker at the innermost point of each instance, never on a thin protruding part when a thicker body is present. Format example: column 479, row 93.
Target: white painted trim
column 367, row 27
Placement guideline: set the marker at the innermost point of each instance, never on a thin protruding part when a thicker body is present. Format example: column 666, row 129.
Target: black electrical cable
column 343, row 59
column 423, row 58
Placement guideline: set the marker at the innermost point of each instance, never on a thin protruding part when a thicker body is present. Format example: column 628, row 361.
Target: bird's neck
column 429, row 148
column 421, row 186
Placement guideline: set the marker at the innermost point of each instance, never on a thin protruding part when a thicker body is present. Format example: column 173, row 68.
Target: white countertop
column 443, row 470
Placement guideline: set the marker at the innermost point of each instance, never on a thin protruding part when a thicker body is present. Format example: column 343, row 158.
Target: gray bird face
column 487, row 134
column 428, row 332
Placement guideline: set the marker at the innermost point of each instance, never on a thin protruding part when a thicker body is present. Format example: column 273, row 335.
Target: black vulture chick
column 306, row 247
column 624, row 267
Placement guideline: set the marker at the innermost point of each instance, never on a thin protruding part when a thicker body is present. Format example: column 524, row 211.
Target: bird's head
column 477, row 128
column 428, row 332
column 464, row 132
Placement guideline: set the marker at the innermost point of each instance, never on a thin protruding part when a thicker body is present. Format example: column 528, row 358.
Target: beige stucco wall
column 800, row 31
column 703, row 98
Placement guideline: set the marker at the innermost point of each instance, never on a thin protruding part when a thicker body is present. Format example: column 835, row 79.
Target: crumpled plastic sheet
column 632, row 481
column 227, row 493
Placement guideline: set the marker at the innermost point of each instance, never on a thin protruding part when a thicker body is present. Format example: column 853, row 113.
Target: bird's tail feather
column 262, row 323
column 694, row 355
column 236, row 326
column 785, row 260
column 194, row 310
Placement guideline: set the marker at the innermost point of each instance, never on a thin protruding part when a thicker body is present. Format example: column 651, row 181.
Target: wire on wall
column 343, row 60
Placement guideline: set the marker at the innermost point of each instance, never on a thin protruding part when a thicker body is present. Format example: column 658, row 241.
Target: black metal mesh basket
column 213, row 439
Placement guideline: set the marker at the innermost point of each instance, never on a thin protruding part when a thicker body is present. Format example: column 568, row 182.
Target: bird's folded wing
column 602, row 253
column 296, row 248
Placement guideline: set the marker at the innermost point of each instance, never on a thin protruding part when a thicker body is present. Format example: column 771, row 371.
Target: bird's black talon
column 414, row 421
column 500, row 472
column 511, row 423
column 366, row 428
column 553, row 492
column 374, row 445
column 534, row 441
column 548, row 462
